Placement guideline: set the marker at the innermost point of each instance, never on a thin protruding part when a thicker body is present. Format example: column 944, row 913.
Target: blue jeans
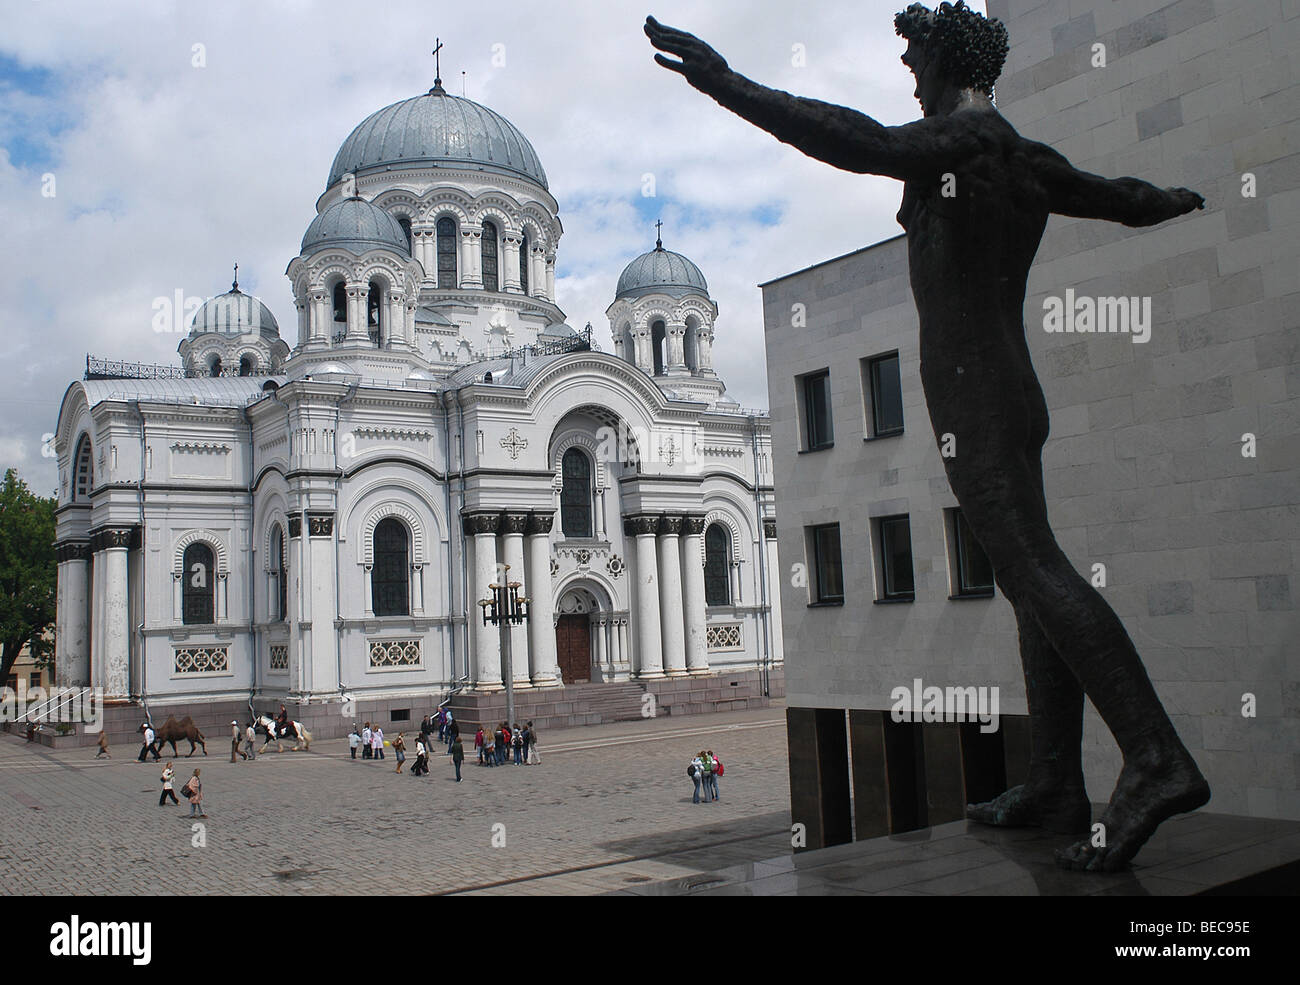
column 713, row 785
column 519, row 755
column 456, row 763
column 696, row 798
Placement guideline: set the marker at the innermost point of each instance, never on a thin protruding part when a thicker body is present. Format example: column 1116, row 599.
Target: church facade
column 313, row 519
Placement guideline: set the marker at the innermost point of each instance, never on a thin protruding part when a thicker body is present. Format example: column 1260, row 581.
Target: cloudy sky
column 135, row 165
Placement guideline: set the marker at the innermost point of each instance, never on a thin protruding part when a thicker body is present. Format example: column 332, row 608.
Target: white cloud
column 167, row 173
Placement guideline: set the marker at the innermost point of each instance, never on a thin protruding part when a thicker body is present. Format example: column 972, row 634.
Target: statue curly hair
column 970, row 47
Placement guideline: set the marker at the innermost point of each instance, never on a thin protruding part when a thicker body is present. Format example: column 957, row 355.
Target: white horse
column 301, row 737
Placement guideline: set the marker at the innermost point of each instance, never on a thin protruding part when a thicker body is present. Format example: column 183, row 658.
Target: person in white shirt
column 377, row 742
column 367, row 747
column 697, row 774
column 148, row 744
column 421, row 758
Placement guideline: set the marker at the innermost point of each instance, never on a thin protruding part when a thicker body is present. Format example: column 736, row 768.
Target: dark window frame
column 717, row 565
column 822, row 593
column 875, row 396
column 890, row 591
column 961, row 531
column 490, row 252
column 390, row 573
column 199, row 604
column 446, row 250
column 523, row 262
column 571, row 509
column 812, row 385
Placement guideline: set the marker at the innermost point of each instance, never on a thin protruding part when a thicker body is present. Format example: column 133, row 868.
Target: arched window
column 405, row 223
column 717, row 565
column 490, row 280
column 214, row 367
column 390, row 578
column 658, row 338
column 374, row 314
column 281, row 603
column 447, row 253
column 198, row 585
column 575, row 494
column 523, row 263
column 245, row 366
column 83, row 476
column 340, row 300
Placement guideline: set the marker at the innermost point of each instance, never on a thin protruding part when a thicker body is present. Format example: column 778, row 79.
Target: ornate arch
column 589, row 582
column 322, row 277
column 209, row 537
column 733, row 528
column 366, row 548
column 275, row 518
column 447, row 202
column 373, row 270
column 578, row 439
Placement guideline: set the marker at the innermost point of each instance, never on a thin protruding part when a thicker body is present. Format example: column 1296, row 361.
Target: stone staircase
column 553, row 707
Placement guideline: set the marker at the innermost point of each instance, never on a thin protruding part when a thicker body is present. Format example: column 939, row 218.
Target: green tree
column 28, row 573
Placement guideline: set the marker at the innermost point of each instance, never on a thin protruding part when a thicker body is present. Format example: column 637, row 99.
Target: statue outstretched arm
column 1089, row 196
column 840, row 136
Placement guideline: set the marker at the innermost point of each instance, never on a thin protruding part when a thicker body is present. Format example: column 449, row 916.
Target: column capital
column 320, row 524
column 481, row 523
column 641, row 524
column 295, row 526
column 769, row 527
column 72, row 550
column 540, row 523
column 693, row 524
column 514, row 523
column 670, row 524
column 114, row 538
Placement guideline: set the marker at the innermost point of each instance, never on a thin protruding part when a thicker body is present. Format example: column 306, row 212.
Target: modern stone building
column 315, row 525
column 1173, row 466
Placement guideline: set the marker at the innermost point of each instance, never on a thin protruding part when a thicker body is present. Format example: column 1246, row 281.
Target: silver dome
column 437, row 129
column 356, row 226
column 234, row 313
column 661, row 272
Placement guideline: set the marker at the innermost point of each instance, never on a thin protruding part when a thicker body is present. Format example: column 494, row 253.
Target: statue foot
column 1063, row 810
column 1148, row 794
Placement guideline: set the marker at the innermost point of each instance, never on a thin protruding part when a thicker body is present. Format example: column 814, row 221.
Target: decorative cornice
column 514, row 523
column 200, row 447
column 295, row 526
column 693, row 524
column 72, row 550
column 398, row 434
column 769, row 528
column 670, row 525
column 641, row 524
column 115, row 538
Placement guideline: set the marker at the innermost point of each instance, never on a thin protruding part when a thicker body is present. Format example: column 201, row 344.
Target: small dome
column 661, row 272
column 559, row 330
column 437, row 129
column 419, row 375
column 356, row 226
column 234, row 313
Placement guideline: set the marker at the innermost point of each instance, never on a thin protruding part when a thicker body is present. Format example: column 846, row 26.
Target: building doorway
column 573, row 647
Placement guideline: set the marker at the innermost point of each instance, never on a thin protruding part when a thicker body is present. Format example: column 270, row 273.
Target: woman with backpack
column 696, row 772
column 193, row 791
column 713, row 777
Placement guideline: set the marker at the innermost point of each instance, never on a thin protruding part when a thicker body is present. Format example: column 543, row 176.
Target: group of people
column 370, row 740
column 705, row 769
column 246, row 735
column 192, row 791
column 495, row 746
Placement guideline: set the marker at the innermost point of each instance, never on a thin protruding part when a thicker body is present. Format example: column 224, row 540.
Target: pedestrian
column 399, row 748
column 193, row 791
column 441, row 719
column 147, row 748
column 250, row 739
column 502, row 736
column 713, row 776
column 517, row 745
column 453, row 730
column 534, row 757
column 421, row 757
column 367, row 750
column 696, row 772
column 478, row 744
column 706, row 775
column 377, row 741
column 490, row 747
column 527, row 738
column 103, row 745
column 354, row 740
column 457, row 754
column 236, row 736
column 425, row 726
column 168, row 775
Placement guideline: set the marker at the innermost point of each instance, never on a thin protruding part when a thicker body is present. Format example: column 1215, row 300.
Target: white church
column 313, row 520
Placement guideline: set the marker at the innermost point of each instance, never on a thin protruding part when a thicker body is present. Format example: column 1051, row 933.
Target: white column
column 538, row 278
column 319, row 667
column 357, row 313
column 417, row 589
column 676, row 334
column 550, row 277
column 649, row 641
column 115, row 653
column 487, row 639
column 72, row 632
column 318, row 329
column 472, row 255
column 304, row 320
column 774, row 591
column 513, row 554
column 670, row 595
column 697, row 650
column 622, row 648
column 367, row 570
column 704, row 349
column 541, row 611
column 599, row 626
column 510, row 276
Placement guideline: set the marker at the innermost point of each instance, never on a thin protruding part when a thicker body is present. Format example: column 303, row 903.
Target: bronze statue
column 969, row 257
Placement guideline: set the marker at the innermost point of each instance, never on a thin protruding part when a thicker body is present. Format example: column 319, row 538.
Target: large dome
column 437, row 129
column 356, row 226
column 661, row 272
column 234, row 313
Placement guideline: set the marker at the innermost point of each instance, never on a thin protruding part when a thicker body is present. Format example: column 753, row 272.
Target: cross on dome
column 437, row 68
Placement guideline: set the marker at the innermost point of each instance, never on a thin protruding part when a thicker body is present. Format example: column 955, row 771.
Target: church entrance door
column 573, row 647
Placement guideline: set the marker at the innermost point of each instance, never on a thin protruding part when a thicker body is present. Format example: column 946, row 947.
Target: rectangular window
column 884, row 394
column 896, row 559
column 973, row 574
column 33, row 681
column 815, row 390
column 825, row 544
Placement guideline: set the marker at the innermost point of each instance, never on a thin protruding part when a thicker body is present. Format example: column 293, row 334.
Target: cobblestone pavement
column 608, row 807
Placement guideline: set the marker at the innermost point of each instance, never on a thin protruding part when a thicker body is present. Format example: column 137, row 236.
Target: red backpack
column 717, row 766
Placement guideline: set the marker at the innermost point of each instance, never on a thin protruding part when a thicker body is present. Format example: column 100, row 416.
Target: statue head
column 950, row 49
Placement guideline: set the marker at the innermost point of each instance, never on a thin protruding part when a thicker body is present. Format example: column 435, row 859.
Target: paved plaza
column 609, row 807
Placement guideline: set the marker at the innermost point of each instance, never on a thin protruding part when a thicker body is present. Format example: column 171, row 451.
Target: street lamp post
column 505, row 606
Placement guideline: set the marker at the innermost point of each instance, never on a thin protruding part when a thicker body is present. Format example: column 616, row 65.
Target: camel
column 173, row 730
